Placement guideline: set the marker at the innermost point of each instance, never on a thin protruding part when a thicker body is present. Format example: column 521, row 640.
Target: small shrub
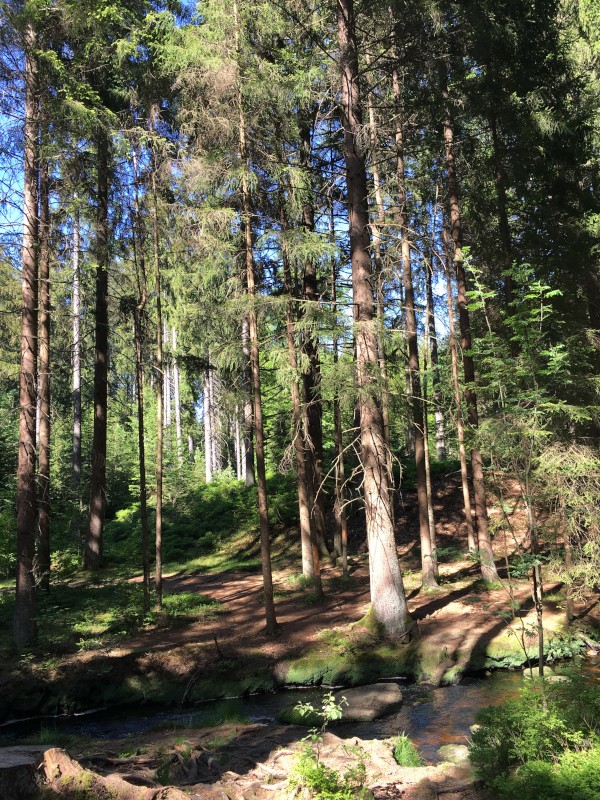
column 405, row 752
column 546, row 724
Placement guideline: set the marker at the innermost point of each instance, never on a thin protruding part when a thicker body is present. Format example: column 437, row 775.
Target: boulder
column 366, row 703
column 454, row 753
column 534, row 672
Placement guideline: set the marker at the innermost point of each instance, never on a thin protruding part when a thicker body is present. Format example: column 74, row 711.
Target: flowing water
column 431, row 717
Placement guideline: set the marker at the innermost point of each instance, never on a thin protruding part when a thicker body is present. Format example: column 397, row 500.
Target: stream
column 431, row 717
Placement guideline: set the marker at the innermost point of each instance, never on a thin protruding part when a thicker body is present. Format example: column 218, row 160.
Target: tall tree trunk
column 24, row 619
column 76, row 358
column 376, row 228
column 460, row 431
column 428, row 559
column 311, row 567
column 388, row 602
column 430, row 513
column 249, row 475
column 43, row 555
column 94, row 544
column 208, row 431
column 484, row 544
column 263, row 508
column 139, row 311
column 238, row 445
column 158, row 580
column 340, row 537
column 312, row 375
column 440, row 434
column 177, row 397
column 166, row 378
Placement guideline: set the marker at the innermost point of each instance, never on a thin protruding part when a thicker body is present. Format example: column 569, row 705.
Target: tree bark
column 177, row 397
column 263, row 508
column 158, row 580
column 208, row 432
column 312, row 375
column 388, row 601
column 486, row 554
column 24, row 619
column 43, row 555
column 139, row 311
column 440, row 434
column 76, row 358
column 94, row 544
column 249, row 475
column 428, row 558
column 376, row 228
column 311, row 567
column 460, row 431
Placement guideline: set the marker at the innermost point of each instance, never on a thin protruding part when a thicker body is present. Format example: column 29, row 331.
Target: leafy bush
column 542, row 733
column 405, row 752
column 576, row 776
column 324, row 783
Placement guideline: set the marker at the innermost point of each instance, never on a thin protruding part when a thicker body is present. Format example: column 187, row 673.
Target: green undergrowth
column 90, row 616
column 545, row 743
column 405, row 752
column 210, row 527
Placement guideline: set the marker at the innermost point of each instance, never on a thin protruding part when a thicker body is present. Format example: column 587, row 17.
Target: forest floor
column 464, row 626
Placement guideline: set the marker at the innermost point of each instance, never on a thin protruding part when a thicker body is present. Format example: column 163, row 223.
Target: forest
column 300, row 399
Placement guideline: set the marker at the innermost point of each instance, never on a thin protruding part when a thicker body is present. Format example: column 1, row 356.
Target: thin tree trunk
column 440, row 434
column 428, row 560
column 238, row 445
column 312, row 375
column 158, row 580
column 430, row 513
column 177, row 398
column 208, row 432
column 377, row 252
column 311, row 567
column 139, row 312
column 340, row 540
column 249, row 475
column 43, row 555
column 166, row 378
column 76, row 356
column 94, row 544
column 263, row 509
column 388, row 602
column 191, row 448
column 24, row 619
column 486, row 553
column 460, row 431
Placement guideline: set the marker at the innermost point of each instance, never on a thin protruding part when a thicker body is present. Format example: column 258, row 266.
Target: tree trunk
column 24, row 619
column 376, row 228
column 239, row 473
column 76, row 356
column 388, row 601
column 43, row 555
column 94, row 544
column 340, row 538
column 139, row 312
column 177, row 398
column 158, row 580
column 249, row 476
column 263, row 509
column 311, row 567
column 486, row 554
column 208, row 431
column 440, row 434
column 312, row 375
column 460, row 431
column 428, row 560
